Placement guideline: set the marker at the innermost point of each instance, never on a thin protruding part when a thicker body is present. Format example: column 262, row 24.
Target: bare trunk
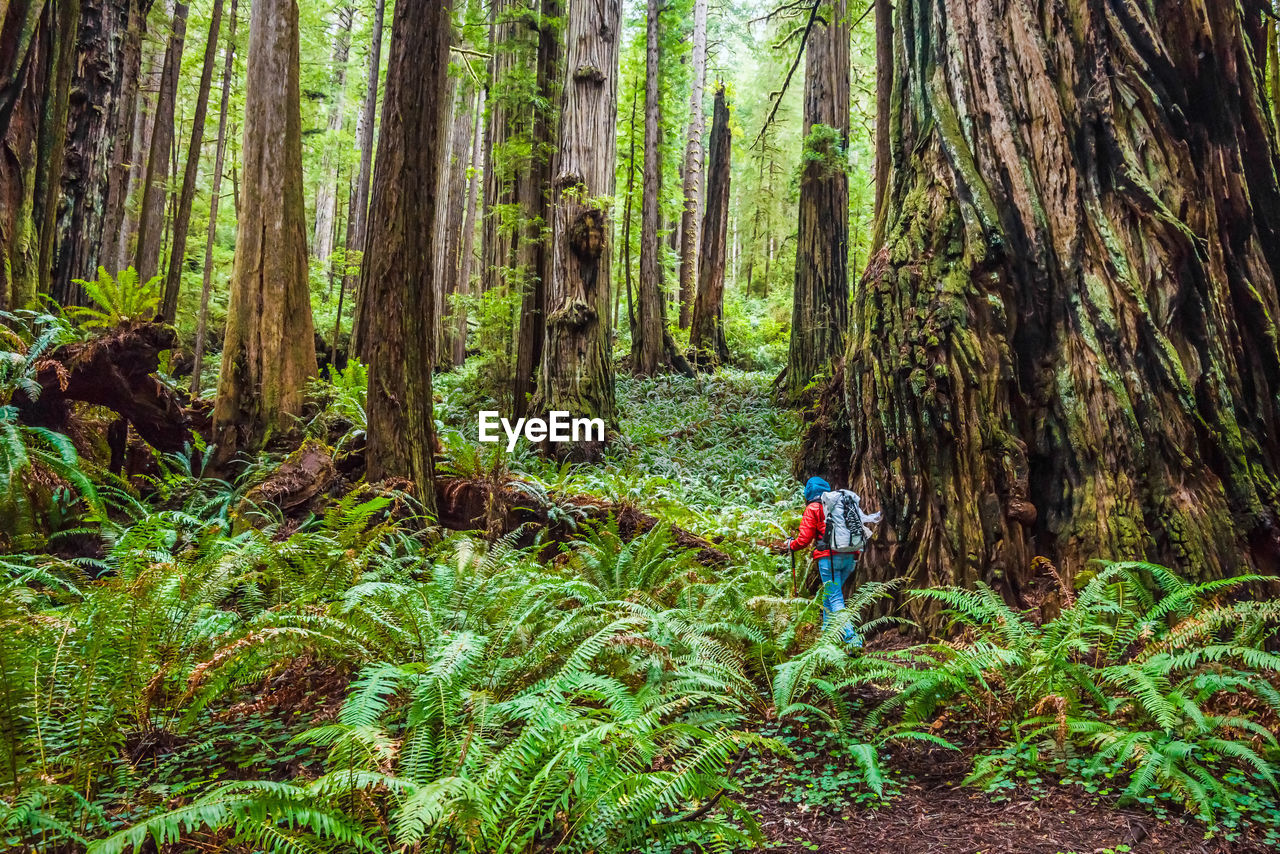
column 397, row 286
column 126, row 137
column 202, row 324
column 706, row 334
column 357, row 228
column 327, row 194
column 151, row 217
column 467, row 252
column 820, row 311
column 1067, row 345
column 182, row 218
column 884, row 109
column 577, row 367
column 269, row 350
column 453, row 220
column 690, row 234
column 652, row 349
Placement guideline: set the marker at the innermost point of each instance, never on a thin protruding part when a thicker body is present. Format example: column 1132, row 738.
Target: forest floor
column 742, row 489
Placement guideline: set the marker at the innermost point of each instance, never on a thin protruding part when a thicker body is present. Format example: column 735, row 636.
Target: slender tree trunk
column 51, row 156
column 884, row 108
column 397, row 285
column 820, row 312
column 533, row 327
column 202, row 324
column 139, row 147
column 327, row 194
column 577, row 367
column 627, row 215
column 151, row 217
column 269, row 350
column 652, row 348
column 467, row 252
column 452, row 220
column 1068, row 344
column 357, row 223
column 690, row 235
column 125, row 141
column 456, row 113
column 706, row 334
column 102, row 59
column 182, row 217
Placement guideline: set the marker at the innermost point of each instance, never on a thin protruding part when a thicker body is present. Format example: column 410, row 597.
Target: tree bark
column 690, row 228
column 151, row 217
column 1067, row 345
column 357, row 221
column 269, row 349
column 467, row 251
column 820, row 310
column 706, row 334
column 652, row 348
column 884, row 111
column 215, row 190
column 182, row 218
column 397, row 287
column 452, row 220
column 96, row 108
column 536, row 254
column 124, row 141
column 577, row 366
column 327, row 194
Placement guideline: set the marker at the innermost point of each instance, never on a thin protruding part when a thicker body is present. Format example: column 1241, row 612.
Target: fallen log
column 115, row 370
column 499, row 507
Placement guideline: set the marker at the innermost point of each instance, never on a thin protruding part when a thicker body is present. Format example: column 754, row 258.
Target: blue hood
column 814, row 488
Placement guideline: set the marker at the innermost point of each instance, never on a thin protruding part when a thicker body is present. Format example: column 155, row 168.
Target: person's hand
column 786, row 547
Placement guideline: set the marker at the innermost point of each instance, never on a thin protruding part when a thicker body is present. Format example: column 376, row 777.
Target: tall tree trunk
column 452, row 219
column 884, row 110
column 269, row 351
column 652, row 348
column 139, row 147
column 1068, row 344
column 182, row 217
column 151, row 217
column 357, row 221
column 397, row 286
column 456, row 112
column 215, row 190
column 706, row 334
column 327, row 194
column 125, row 141
column 577, row 367
column 820, row 311
column 97, row 109
column 690, row 234
column 51, row 156
column 627, row 213
column 537, row 255
column 466, row 254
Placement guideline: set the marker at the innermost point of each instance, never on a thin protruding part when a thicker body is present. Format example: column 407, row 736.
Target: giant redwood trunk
column 706, row 333
column 690, row 223
column 820, row 311
column 1068, row 344
column 577, row 368
column 269, row 349
column 397, row 286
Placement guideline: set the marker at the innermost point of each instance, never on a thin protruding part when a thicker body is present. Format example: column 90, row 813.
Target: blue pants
column 834, row 571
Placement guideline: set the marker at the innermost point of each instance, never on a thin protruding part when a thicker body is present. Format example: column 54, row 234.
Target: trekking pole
column 793, row 572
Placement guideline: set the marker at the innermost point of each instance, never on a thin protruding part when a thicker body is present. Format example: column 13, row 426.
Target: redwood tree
column 1068, row 345
column 706, row 332
column 820, row 309
column 577, row 367
column 269, row 350
column 690, row 226
column 397, row 278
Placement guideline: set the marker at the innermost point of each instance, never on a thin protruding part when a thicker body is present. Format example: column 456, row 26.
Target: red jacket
column 813, row 526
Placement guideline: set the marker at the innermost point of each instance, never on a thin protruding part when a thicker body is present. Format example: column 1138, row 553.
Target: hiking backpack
column 846, row 524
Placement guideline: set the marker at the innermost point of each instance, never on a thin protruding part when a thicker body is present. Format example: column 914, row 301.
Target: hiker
column 834, row 523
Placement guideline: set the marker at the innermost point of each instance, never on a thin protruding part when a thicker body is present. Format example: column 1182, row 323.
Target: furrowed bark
column 1067, row 345
column 690, row 224
column 269, row 349
column 182, row 218
column 151, row 216
column 706, row 334
column 397, row 287
column 357, row 221
column 577, row 368
column 820, row 312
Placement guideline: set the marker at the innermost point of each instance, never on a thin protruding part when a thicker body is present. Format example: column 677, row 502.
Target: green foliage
column 118, row 300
